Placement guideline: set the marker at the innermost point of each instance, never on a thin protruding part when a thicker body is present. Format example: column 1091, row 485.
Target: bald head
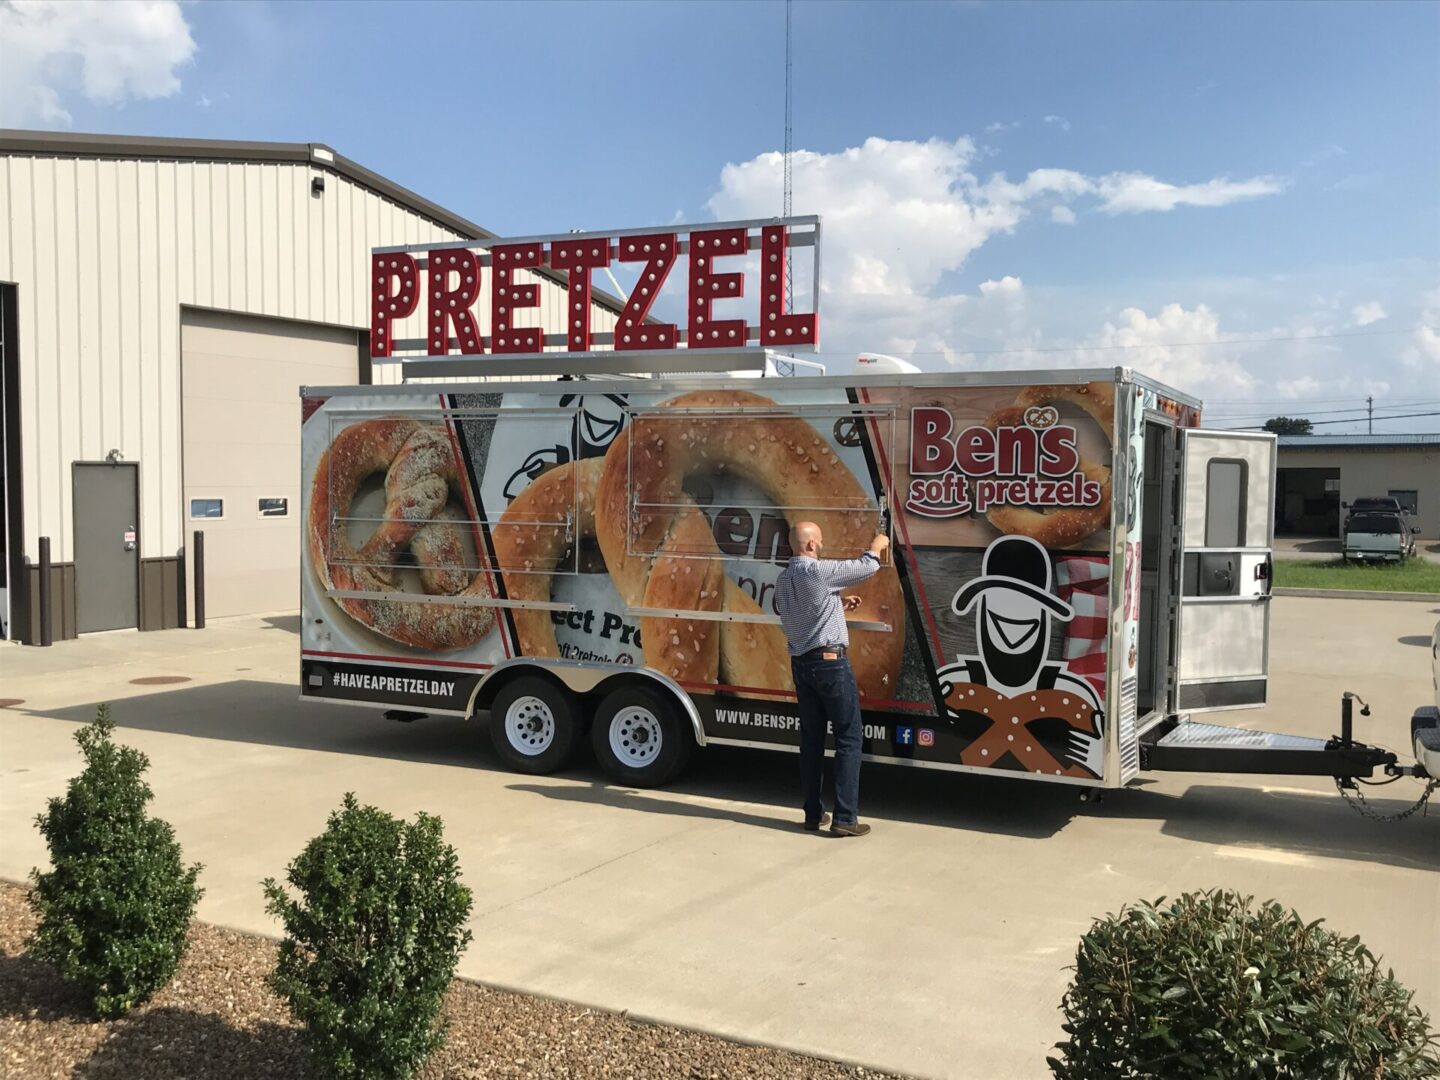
column 805, row 539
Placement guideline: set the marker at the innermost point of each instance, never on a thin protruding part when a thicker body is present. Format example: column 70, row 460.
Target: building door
column 241, row 377
column 107, row 552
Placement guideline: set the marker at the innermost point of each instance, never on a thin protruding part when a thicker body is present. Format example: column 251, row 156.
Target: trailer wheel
column 535, row 725
column 640, row 737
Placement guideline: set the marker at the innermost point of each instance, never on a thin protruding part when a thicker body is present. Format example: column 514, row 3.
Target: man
column 813, row 615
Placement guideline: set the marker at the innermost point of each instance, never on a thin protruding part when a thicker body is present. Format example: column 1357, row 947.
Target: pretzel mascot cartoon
column 1026, row 711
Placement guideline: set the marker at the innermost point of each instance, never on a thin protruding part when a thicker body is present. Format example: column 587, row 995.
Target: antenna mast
column 789, row 145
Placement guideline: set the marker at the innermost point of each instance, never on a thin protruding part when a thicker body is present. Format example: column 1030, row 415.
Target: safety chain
column 1362, row 807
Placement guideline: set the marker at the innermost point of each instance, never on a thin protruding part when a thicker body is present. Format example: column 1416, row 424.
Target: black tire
column 641, row 737
column 535, row 726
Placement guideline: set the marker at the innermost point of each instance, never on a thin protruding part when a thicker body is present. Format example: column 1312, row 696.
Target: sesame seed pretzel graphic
column 421, row 473
column 1067, row 526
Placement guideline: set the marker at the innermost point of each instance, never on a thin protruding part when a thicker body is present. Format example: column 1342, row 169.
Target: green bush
column 115, row 907
column 1213, row 986
column 371, row 944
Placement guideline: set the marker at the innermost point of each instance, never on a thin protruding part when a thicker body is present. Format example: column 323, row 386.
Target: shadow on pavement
column 1318, row 824
column 1423, row 640
column 271, row 714
column 289, row 623
column 733, row 779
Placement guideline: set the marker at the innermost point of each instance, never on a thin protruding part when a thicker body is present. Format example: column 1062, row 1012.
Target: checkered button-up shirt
column 807, row 599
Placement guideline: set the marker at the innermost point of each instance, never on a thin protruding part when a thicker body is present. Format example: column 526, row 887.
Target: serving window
column 728, row 483
column 403, row 509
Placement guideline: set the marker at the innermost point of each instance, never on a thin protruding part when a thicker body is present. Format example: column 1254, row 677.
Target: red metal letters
column 396, row 292
column 455, row 277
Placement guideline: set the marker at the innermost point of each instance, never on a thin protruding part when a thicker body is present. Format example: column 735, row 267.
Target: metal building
column 1317, row 474
column 161, row 300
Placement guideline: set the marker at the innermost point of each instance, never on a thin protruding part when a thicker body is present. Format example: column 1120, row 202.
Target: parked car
column 1386, row 504
column 1425, row 723
column 1379, row 536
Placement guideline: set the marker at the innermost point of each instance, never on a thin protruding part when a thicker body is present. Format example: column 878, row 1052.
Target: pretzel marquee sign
column 443, row 282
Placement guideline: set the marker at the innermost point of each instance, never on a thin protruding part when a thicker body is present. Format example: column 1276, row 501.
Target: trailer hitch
column 1350, row 786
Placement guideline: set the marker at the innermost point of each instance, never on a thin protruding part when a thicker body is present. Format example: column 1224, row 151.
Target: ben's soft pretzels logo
column 1023, row 458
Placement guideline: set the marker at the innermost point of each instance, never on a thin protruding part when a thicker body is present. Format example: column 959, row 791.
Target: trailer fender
column 582, row 679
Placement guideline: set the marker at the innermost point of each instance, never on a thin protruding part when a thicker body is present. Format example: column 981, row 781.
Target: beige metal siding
column 105, row 254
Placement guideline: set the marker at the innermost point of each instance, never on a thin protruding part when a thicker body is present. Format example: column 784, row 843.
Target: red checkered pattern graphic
column 1083, row 582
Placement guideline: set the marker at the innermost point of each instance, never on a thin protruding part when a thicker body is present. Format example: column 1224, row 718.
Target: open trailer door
column 1227, row 496
column 1227, row 485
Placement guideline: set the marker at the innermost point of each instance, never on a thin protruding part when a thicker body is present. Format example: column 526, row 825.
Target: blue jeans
column 827, row 693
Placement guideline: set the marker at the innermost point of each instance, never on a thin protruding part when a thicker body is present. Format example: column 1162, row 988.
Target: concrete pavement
column 937, row 945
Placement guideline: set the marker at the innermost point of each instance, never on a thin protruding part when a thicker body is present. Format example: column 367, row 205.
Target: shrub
column 1213, row 986
column 371, row 944
column 115, row 907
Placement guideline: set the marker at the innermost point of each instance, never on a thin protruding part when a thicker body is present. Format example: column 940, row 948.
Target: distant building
column 1317, row 473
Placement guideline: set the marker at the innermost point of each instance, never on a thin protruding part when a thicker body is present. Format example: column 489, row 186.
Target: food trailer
column 1077, row 570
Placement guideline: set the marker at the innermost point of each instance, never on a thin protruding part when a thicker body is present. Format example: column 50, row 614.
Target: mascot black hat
column 1017, row 564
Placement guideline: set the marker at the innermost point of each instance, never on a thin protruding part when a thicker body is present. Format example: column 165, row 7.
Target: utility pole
column 1370, row 415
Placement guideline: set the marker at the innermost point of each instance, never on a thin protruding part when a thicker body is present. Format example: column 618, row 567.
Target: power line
column 1352, row 420
column 1306, row 413
column 1150, row 345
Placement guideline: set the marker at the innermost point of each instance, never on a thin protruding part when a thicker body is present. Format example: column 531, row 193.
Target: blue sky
column 1004, row 184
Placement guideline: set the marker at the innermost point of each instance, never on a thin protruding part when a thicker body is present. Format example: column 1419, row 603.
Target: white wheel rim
column 635, row 737
column 529, row 726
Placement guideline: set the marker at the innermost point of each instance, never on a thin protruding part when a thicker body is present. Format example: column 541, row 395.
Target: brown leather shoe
column 852, row 828
column 816, row 826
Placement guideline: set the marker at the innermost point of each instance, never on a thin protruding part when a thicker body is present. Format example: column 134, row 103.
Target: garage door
column 241, row 378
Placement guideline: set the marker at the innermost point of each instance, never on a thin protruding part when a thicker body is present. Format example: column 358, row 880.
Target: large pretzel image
column 528, row 552
column 1067, row 526
column 420, row 472
column 676, row 563
column 528, row 547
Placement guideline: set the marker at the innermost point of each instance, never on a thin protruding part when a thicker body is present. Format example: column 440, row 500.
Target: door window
column 1225, row 504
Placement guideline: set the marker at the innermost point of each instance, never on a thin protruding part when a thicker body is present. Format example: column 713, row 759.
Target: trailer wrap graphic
column 449, row 533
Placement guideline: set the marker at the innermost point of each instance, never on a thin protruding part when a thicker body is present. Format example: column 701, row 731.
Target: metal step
column 1216, row 736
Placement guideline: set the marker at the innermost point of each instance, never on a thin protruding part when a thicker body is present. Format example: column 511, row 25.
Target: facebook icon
column 904, row 734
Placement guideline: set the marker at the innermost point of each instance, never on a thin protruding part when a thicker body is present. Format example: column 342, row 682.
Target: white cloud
column 1058, row 121
column 110, row 51
column 1368, row 313
column 1001, row 125
column 1303, row 387
column 1007, row 288
column 1422, row 353
column 903, row 217
column 899, row 214
column 1134, row 193
column 1179, row 346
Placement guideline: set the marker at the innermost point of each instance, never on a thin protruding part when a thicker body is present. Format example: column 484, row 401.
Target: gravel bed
column 218, row 1021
